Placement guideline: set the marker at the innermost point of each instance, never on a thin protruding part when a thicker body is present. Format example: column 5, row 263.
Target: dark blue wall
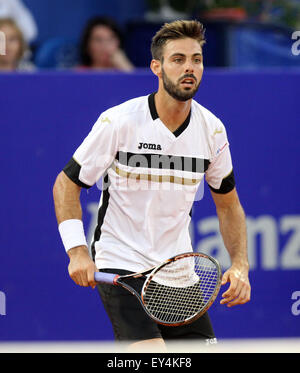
column 66, row 18
column 247, row 44
column 44, row 117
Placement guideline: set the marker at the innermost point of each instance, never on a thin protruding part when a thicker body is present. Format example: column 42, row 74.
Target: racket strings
column 187, row 300
column 181, row 289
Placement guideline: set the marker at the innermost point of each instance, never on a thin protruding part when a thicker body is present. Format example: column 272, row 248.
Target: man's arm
column 66, row 196
column 233, row 229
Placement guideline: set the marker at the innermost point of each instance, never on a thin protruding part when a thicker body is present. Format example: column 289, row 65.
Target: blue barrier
column 256, row 47
column 44, row 117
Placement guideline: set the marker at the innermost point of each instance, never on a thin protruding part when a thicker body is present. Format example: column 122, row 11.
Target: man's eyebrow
column 183, row 55
column 177, row 54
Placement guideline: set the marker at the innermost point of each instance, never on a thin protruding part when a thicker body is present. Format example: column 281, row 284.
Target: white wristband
column 72, row 233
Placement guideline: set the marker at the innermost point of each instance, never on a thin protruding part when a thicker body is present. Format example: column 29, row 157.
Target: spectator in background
column 169, row 10
column 101, row 46
column 15, row 48
column 17, row 11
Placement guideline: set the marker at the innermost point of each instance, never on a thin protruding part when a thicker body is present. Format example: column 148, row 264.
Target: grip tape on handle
column 105, row 278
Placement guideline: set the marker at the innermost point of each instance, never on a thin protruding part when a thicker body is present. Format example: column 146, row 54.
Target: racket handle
column 106, row 278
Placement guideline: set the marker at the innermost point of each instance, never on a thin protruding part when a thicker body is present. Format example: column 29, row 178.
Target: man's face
column 182, row 68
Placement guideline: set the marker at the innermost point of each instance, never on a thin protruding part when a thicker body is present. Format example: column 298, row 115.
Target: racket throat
column 115, row 280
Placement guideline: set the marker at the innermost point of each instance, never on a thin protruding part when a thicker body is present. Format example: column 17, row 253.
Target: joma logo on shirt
column 143, row 145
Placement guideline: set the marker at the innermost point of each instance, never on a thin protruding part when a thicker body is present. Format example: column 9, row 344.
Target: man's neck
column 170, row 111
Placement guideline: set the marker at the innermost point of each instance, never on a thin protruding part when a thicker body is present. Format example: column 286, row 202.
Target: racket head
column 181, row 289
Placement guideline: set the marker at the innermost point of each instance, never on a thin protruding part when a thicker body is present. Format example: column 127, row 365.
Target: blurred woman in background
column 101, row 46
column 21, row 14
column 14, row 47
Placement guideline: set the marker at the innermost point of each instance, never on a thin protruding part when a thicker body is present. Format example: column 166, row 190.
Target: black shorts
column 131, row 323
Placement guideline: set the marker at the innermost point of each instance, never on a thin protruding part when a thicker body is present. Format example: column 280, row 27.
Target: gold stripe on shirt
column 156, row 178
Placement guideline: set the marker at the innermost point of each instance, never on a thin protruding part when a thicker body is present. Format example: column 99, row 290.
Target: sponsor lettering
column 272, row 244
column 2, row 304
column 296, row 44
column 296, row 305
column 143, row 145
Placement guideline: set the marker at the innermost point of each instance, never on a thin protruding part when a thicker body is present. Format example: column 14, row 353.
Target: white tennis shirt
column 151, row 178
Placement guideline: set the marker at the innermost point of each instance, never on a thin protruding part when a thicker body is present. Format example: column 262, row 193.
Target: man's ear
column 155, row 66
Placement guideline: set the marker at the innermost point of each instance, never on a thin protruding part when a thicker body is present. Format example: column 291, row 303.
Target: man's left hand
column 239, row 290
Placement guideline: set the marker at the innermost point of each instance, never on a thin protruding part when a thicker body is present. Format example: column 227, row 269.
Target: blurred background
column 242, row 34
column 64, row 62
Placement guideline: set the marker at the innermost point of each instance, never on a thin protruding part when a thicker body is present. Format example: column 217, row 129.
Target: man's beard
column 175, row 91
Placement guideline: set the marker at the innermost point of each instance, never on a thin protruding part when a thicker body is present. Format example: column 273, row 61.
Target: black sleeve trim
column 228, row 183
column 72, row 170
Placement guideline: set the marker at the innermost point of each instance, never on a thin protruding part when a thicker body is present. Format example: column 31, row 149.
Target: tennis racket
column 176, row 292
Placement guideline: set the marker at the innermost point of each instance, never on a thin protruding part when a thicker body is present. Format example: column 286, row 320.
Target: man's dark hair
column 87, row 32
column 176, row 30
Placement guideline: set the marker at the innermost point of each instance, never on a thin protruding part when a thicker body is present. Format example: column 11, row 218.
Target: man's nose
column 189, row 68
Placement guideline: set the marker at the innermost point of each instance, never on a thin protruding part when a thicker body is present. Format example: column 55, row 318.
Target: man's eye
column 178, row 60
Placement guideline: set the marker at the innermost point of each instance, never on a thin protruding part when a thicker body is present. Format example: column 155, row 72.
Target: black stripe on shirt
column 72, row 170
column 227, row 185
column 161, row 161
column 101, row 213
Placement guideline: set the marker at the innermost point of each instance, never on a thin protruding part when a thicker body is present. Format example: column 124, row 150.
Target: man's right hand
column 81, row 267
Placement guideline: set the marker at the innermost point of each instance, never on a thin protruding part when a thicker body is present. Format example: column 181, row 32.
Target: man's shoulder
column 132, row 106
column 210, row 119
column 203, row 110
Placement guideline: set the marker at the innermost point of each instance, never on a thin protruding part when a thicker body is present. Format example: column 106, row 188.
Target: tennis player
column 153, row 152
